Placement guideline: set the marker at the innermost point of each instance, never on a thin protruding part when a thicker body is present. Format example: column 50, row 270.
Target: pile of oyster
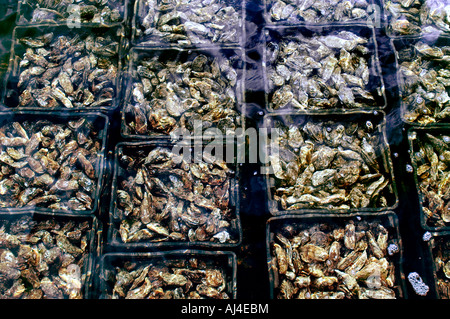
column 44, row 259
column 104, row 12
column 177, row 97
column 76, row 71
column 441, row 256
column 322, row 72
column 413, row 17
column 171, row 279
column 163, row 197
column 186, row 23
column 431, row 155
column 309, row 11
column 49, row 165
column 327, row 261
column 330, row 165
column 425, row 86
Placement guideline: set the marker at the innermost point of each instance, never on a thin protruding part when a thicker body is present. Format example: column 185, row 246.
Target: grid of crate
column 330, row 181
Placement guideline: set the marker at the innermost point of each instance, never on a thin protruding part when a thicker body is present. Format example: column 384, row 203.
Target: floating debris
column 417, row 283
column 426, row 236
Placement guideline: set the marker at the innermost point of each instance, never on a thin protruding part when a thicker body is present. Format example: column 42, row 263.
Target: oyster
column 433, row 176
column 188, row 23
column 62, row 69
column 441, row 256
column 316, row 12
column 425, row 82
column 71, row 11
column 338, row 166
column 44, row 257
column 184, row 94
column 418, row 17
column 55, row 166
column 168, row 279
column 162, row 197
column 328, row 267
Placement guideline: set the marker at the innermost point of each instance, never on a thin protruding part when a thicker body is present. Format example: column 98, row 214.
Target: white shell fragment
column 417, row 283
